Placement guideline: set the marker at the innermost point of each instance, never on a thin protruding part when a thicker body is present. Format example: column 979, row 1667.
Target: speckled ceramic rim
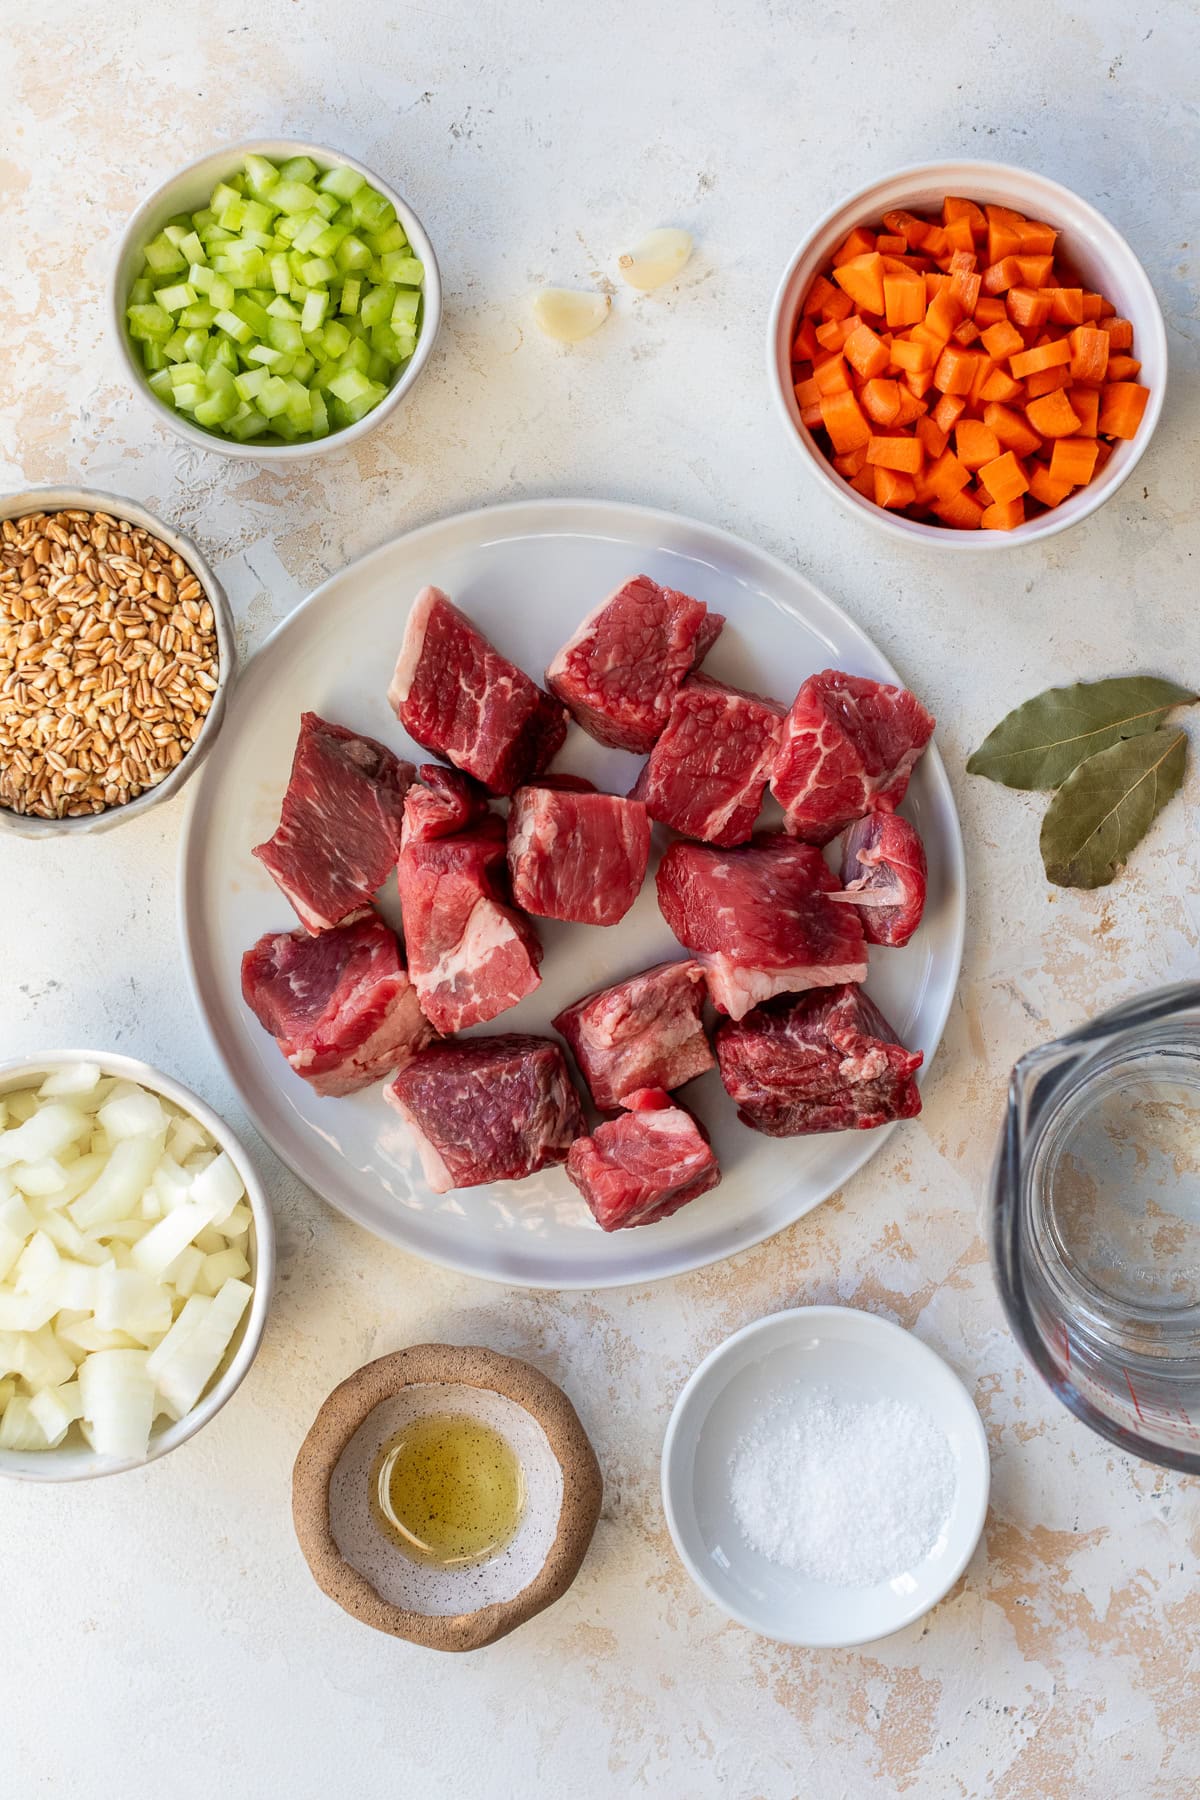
column 54, row 499
column 82, row 1464
column 889, row 1333
column 190, row 188
column 1003, row 184
column 340, row 1417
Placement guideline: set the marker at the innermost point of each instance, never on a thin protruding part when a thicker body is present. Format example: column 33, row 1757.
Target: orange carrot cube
column 947, row 476
column 959, row 510
column 943, row 313
column 1036, row 239
column 1039, row 357
column 1003, row 516
column 1003, row 340
column 1120, row 332
column 860, row 243
column 955, row 370
column 893, row 488
column 948, row 411
column 862, row 279
column 880, row 400
column 1085, row 403
column 903, row 299
column 1074, row 461
column 1004, row 478
column 1122, row 404
column 1029, row 307
column 844, row 421
column 912, row 355
column 804, row 344
column 975, row 443
column 903, row 453
column 832, row 375
column 1011, row 429
column 954, row 208
column 1046, row 380
column 865, row 352
column 1066, row 306
column 1123, row 368
column 1043, row 488
column 864, row 482
column 1000, row 386
column 1036, row 271
column 907, row 225
column 932, row 436
column 1052, row 415
column 1089, row 354
column 989, row 310
column 998, row 277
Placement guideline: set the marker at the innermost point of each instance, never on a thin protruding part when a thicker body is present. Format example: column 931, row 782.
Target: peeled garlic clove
column 567, row 315
column 658, row 258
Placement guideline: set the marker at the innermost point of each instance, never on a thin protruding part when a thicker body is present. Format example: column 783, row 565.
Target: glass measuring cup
column 1095, row 1226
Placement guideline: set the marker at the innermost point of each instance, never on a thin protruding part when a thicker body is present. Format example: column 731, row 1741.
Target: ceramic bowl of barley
column 116, row 654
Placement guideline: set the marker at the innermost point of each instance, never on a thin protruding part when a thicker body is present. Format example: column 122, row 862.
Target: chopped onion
column 123, row 1253
column 567, row 314
column 657, row 259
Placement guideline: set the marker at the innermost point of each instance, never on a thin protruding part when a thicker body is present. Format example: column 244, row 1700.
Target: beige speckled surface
column 145, row 1621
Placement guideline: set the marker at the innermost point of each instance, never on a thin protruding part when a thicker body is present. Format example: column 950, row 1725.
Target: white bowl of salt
column 825, row 1477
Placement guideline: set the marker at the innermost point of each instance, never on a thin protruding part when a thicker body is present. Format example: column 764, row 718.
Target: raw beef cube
column 442, row 801
column 849, row 744
column 488, row 1109
column 471, row 955
column 459, row 697
column 339, row 830
column 575, row 855
column 825, row 1061
column 619, row 673
column 643, row 1033
column 340, row 1005
column 759, row 919
column 884, row 876
column 643, row 1166
column 707, row 772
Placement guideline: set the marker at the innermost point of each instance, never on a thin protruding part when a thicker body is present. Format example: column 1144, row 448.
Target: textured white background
column 159, row 1634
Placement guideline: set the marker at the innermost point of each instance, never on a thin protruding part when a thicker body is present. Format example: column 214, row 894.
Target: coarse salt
column 852, row 1492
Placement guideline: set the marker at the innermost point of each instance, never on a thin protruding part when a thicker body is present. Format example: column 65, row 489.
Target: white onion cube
column 44, row 1133
column 188, row 1357
column 117, row 1191
column 117, row 1393
column 73, row 1081
column 134, row 1112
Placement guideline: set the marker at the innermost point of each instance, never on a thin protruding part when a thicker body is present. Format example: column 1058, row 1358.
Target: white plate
column 527, row 574
column 856, row 1356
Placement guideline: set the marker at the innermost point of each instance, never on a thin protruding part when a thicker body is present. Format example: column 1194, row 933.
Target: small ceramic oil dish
column 455, row 1416
column 838, row 1358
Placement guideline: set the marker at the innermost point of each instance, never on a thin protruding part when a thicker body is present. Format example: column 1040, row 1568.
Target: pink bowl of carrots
column 968, row 354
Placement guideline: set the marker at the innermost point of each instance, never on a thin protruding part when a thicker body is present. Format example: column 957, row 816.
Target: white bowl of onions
column 137, row 1253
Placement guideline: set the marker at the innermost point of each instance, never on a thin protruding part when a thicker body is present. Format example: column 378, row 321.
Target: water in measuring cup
column 1116, row 1208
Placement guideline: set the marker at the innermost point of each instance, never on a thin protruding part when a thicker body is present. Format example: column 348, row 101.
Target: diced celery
column 405, row 345
column 251, row 425
column 318, row 271
column 197, row 346
column 298, row 168
column 223, row 197
column 225, row 353
column 379, row 368
column 404, row 311
column 217, row 409
column 342, row 183
column 352, row 253
column 187, row 371
column 375, row 307
column 350, row 385
column 149, row 322
column 260, row 174
column 281, row 274
column 256, row 216
column 391, row 238
column 303, row 365
column 177, row 297
column 314, row 311
column 319, row 425
column 351, row 289
column 384, row 343
column 202, row 220
column 176, row 347
column 154, row 356
column 160, row 381
column 356, row 357
column 251, row 314
column 142, row 292
column 188, row 395
column 272, row 396
column 330, row 238
column 327, row 206
column 265, row 354
column 311, row 227
column 284, row 334
column 407, row 270
column 281, row 307
column 237, row 328
column 251, row 382
column 162, row 257
column 198, row 317
column 293, row 196
column 336, row 339
column 191, row 247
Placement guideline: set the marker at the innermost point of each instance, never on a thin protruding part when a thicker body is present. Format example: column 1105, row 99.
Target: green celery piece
column 188, row 395
column 225, row 351
column 217, row 409
column 318, row 272
column 220, row 379
column 286, row 228
column 283, row 427
column 174, row 299
column 191, row 247
column 256, row 216
column 281, row 274
column 339, row 413
column 404, row 312
column 256, row 317
column 405, row 345
column 160, row 381
column 177, row 229
column 185, row 372
column 154, row 357
column 352, row 254
column 408, row 271
column 284, row 334
column 298, row 168
column 223, row 196
column 356, row 358
column 384, row 343
column 355, row 326
column 351, row 288
column 314, row 311
column 281, row 307
column 319, row 420
column 251, row 426
column 149, row 321
column 328, row 241
column 261, row 173
column 201, row 346
column 142, row 292
column 257, row 240
column 293, row 197
column 237, row 328
column 349, row 386
column 336, row 339
column 222, row 292
column 371, row 210
column 299, row 404
column 198, row 317
column 365, row 403
column 311, row 227
column 162, row 257
column 272, row 396
column 392, row 238
column 375, row 307
column 176, row 347
column 379, row 368
column 328, row 207
column 265, row 354
column 251, row 382
column 303, row 366
column 203, row 219
column 202, row 277
column 341, row 182
column 216, row 234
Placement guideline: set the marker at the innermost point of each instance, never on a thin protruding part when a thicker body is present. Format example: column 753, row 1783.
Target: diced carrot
column 966, row 333
column 954, row 372
column 810, row 416
column 932, row 435
column 844, row 421
column 893, row 488
column 948, row 411
column 880, row 400
column 1106, row 449
column 960, row 511
column 943, row 313
column 1089, row 354
column 918, row 384
column 808, row 392
column 1029, row 307
column 1074, row 461
column 1092, row 305
column 925, row 334
column 1123, row 368
column 1036, row 271
column 911, row 355
column 1052, row 415
column 1066, row 305
column 965, row 284
column 1003, row 340
column 832, row 376
column 1107, row 309
column 989, row 310
column 903, row 453
column 1043, row 488
column 935, row 280
column 903, row 299
column 865, row 352
column 984, row 369
column 860, row 243
column 1085, row 402
column 912, row 406
column 1003, row 517
column 816, row 296
column 998, row 277
column 1039, row 357
column 1036, row 239
column 862, row 279
column 906, row 225
column 1003, row 237
column 959, row 236
column 975, row 443
column 1000, row 386
column 804, row 344
column 832, row 333
column 903, row 265
column 864, row 482
column 947, row 476
column 1120, row 332
column 852, row 462
column 891, row 244
column 1122, row 404
column 1046, row 381
column 838, row 306
column 1011, row 429
column 954, row 208
column 1004, row 478
column 935, row 243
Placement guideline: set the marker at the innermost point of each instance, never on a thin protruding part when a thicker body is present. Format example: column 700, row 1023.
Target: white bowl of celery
column 275, row 298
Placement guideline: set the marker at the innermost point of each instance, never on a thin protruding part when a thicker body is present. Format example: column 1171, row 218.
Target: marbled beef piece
column 575, row 855
column 642, row 1033
column 849, row 745
column 884, row 877
column 708, row 771
column 644, row 1165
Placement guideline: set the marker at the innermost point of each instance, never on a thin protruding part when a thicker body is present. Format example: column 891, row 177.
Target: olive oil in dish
column 448, row 1489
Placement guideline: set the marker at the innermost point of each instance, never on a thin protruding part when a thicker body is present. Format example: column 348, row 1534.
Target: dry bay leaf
column 1104, row 809
column 1039, row 744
